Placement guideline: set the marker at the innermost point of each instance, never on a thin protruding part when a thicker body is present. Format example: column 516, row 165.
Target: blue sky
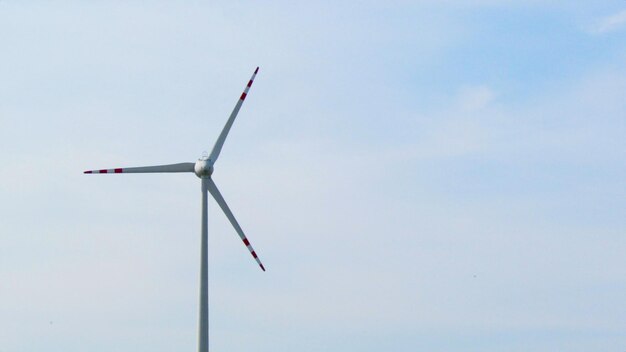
column 425, row 175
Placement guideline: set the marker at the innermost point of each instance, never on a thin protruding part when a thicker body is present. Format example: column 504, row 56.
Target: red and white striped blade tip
column 262, row 267
column 104, row 171
column 257, row 70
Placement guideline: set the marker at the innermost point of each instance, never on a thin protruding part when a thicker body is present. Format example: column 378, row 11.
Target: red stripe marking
column 245, row 241
column 103, row 171
column 254, row 255
column 250, row 83
column 257, row 70
column 87, row 172
column 262, row 267
column 243, row 96
column 118, row 171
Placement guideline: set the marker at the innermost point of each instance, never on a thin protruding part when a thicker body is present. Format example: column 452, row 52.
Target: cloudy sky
column 415, row 175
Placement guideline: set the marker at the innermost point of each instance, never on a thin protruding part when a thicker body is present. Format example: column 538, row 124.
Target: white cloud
column 475, row 97
column 611, row 23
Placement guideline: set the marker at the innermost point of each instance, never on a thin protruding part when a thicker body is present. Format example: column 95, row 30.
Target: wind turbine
column 203, row 168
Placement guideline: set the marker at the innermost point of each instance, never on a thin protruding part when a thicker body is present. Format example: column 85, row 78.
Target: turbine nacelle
column 203, row 167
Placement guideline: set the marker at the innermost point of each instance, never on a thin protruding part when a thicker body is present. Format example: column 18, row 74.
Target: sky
column 415, row 175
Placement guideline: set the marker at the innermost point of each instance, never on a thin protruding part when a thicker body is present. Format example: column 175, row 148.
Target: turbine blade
column 181, row 167
column 222, row 203
column 217, row 148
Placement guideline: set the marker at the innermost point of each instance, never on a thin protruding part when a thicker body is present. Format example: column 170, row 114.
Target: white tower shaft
column 203, row 325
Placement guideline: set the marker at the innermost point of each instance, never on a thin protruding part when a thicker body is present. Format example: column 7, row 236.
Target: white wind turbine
column 203, row 168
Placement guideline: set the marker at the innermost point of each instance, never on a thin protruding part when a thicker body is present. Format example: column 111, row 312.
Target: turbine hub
column 203, row 167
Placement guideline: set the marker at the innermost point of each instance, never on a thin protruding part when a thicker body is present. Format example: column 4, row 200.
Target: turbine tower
column 203, row 168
